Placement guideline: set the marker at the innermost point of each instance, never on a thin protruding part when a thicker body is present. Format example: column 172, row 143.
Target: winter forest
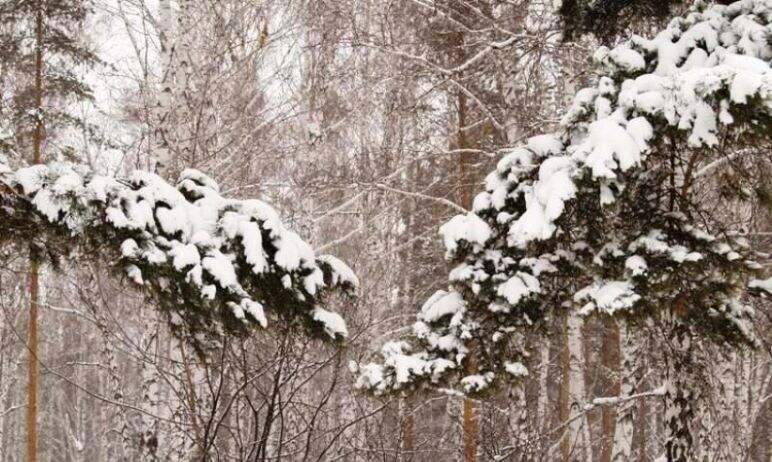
column 386, row 230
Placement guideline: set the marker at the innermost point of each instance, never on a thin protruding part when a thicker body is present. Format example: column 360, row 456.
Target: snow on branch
column 761, row 285
column 214, row 265
column 617, row 400
column 585, row 219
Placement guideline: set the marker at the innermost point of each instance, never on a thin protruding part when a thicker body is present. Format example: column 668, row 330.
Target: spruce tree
column 39, row 55
column 213, row 265
column 604, row 218
column 606, row 19
column 63, row 58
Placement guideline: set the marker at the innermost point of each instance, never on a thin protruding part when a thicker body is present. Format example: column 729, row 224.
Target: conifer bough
column 214, row 265
column 598, row 218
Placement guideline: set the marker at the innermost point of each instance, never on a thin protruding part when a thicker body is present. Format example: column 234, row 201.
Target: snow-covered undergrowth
column 588, row 219
column 215, row 265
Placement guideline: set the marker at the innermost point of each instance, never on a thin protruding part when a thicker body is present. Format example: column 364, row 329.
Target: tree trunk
column 149, row 386
column 185, row 141
column 114, row 415
column 543, row 405
column 643, row 422
column 718, row 424
column 189, row 387
column 742, row 385
column 407, row 421
column 32, row 362
column 680, row 397
column 469, row 420
column 622, row 447
column 610, row 361
column 32, row 329
column 162, row 113
column 575, row 438
column 470, row 431
column 564, row 401
column 761, row 437
column 523, row 440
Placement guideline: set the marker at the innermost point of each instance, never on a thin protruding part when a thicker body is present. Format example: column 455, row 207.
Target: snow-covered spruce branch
column 582, row 208
column 588, row 220
column 213, row 265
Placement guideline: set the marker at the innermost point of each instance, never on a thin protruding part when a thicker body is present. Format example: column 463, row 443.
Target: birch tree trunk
column 610, row 359
column 185, row 139
column 409, row 282
column 542, row 405
column 740, row 401
column 5, row 382
column 718, row 424
column 117, row 416
column 523, row 439
column 152, row 435
column 761, row 438
column 162, row 112
column 172, row 406
column 574, row 444
column 622, row 447
column 149, row 388
column 680, row 397
column 193, row 375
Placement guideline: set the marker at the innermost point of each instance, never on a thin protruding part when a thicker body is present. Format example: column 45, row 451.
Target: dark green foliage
column 199, row 319
column 575, row 222
column 64, row 55
column 606, row 19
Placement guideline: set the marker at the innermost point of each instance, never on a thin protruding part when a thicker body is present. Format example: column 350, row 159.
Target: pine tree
column 604, row 218
column 39, row 53
column 62, row 57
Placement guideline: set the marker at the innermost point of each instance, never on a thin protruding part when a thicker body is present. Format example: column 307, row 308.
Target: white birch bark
column 114, row 415
column 625, row 420
column 726, row 423
column 149, row 438
column 542, row 405
column 162, row 111
column 743, row 384
column 681, row 397
column 184, row 48
column 176, row 439
column 522, row 439
column 579, row 431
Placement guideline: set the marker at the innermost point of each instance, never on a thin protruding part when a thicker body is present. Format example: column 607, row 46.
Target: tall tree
column 34, row 295
column 41, row 38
